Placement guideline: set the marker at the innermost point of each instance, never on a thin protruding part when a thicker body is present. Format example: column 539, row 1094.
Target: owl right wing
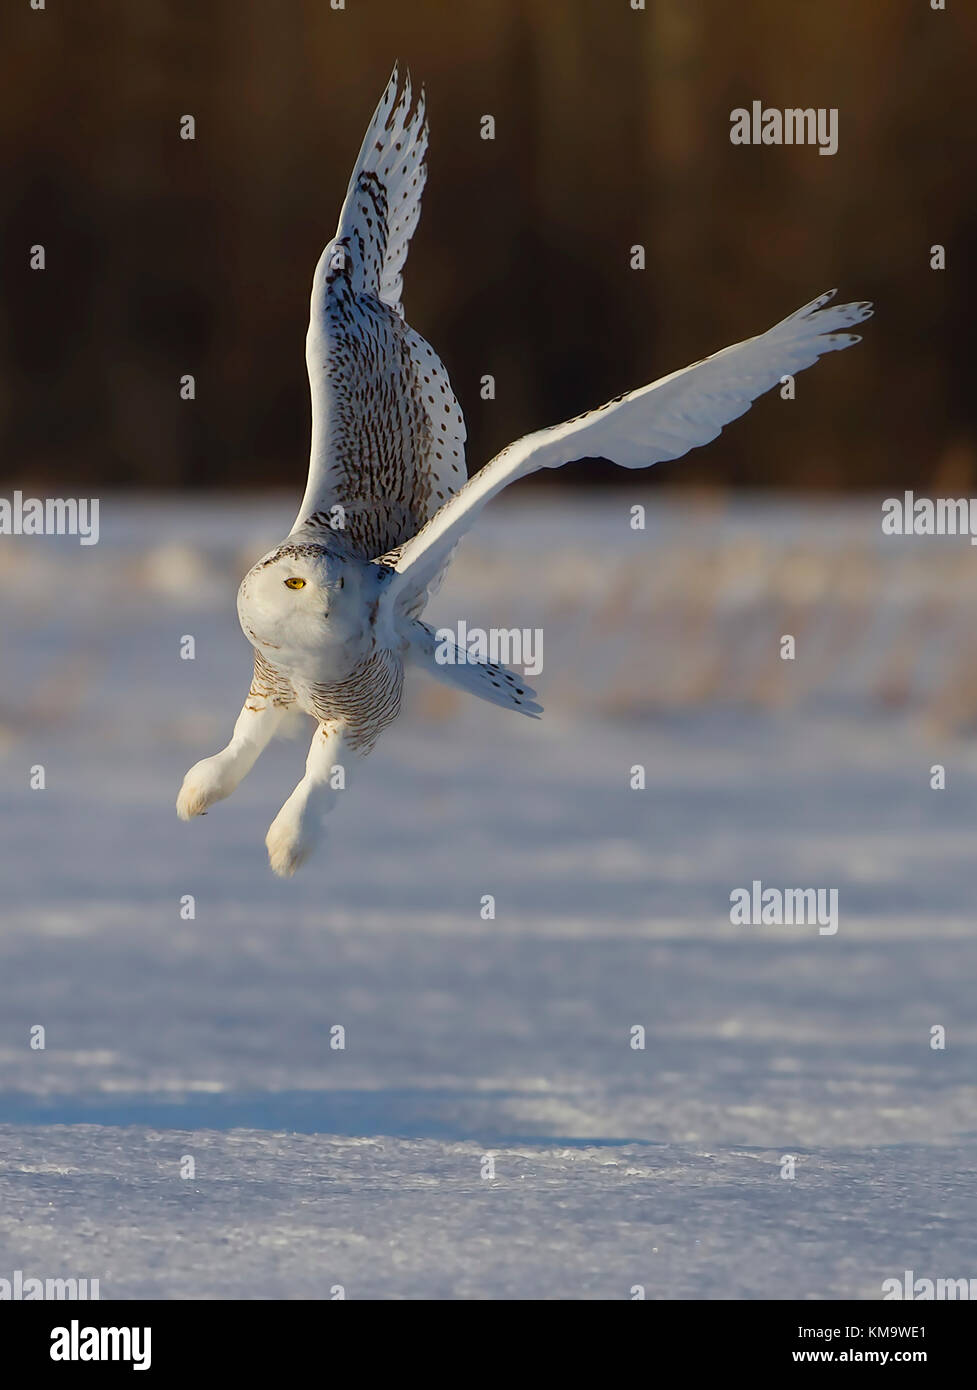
column 661, row 421
column 388, row 437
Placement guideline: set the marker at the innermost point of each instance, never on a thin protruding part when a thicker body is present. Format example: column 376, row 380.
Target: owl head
column 302, row 601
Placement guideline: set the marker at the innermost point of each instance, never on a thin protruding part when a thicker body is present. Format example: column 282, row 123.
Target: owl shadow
column 456, row 1116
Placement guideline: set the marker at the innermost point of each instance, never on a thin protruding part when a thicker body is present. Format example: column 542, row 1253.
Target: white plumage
column 333, row 611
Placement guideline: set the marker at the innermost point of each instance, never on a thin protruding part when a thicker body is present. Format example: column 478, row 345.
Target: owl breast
column 365, row 701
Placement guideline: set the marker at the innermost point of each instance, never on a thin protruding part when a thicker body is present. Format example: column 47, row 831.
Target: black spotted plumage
column 388, row 434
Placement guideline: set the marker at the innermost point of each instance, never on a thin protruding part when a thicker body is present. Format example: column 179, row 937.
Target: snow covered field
column 510, row 1038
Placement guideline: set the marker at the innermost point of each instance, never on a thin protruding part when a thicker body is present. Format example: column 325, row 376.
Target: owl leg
column 297, row 828
column 214, row 778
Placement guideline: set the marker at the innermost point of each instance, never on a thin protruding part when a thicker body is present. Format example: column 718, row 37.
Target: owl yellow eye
column 295, row 583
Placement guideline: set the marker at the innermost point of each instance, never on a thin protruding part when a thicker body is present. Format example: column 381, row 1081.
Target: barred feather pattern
column 270, row 686
column 388, row 435
column 365, row 701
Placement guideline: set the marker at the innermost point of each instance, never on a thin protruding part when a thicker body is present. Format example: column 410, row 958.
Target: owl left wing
column 657, row 422
column 387, row 433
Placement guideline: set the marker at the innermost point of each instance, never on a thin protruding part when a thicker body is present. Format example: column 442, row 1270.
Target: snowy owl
column 333, row 612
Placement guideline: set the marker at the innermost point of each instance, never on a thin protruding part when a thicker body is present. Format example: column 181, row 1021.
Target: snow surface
column 363, row 1167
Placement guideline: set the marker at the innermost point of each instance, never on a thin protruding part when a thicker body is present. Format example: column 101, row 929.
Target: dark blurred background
column 167, row 257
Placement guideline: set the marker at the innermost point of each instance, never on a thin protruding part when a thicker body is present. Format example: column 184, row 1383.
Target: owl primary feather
column 334, row 612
